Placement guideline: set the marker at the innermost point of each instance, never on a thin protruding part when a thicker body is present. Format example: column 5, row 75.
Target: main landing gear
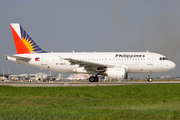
column 93, row 79
column 149, row 77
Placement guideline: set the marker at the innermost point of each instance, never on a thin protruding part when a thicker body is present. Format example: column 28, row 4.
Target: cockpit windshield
column 163, row 58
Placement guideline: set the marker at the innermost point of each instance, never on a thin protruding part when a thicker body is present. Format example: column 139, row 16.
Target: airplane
column 114, row 65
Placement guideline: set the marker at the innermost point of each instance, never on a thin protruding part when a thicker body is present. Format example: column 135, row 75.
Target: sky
column 93, row 26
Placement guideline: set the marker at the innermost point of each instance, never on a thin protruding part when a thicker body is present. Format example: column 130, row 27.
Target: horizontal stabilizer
column 16, row 58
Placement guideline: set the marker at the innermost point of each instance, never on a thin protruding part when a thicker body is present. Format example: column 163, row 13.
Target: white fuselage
column 134, row 62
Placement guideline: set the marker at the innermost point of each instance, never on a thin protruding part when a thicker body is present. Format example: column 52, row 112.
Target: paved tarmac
column 66, row 84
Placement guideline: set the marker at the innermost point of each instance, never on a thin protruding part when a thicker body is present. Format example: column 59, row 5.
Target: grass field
column 126, row 102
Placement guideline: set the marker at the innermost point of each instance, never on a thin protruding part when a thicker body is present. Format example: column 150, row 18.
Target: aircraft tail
column 23, row 42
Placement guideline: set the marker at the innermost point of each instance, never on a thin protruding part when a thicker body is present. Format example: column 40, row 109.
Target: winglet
column 23, row 42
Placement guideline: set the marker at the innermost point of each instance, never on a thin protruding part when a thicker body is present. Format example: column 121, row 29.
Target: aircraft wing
column 87, row 65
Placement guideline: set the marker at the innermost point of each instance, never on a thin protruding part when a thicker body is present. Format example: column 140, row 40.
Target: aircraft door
column 150, row 60
column 43, row 60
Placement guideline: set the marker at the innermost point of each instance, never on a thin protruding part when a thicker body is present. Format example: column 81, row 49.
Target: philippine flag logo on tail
column 23, row 42
column 37, row 59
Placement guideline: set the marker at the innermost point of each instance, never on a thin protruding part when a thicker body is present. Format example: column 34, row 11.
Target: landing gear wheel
column 150, row 79
column 96, row 79
column 91, row 79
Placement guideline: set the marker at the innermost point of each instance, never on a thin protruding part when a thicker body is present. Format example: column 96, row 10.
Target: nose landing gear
column 149, row 77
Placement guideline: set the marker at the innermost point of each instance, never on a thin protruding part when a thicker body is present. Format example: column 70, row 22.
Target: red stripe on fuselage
column 20, row 46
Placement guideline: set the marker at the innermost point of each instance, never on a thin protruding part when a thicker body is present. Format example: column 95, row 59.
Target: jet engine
column 116, row 73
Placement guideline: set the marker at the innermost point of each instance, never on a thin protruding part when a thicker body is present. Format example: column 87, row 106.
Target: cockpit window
column 163, row 58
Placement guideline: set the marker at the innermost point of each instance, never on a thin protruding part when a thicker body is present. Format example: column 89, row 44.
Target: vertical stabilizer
column 23, row 42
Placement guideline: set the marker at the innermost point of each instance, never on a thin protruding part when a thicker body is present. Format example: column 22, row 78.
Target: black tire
column 150, row 79
column 91, row 79
column 96, row 79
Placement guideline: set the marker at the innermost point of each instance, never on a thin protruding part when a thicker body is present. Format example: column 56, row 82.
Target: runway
column 72, row 84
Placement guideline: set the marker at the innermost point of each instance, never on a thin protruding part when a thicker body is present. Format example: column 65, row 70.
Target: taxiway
column 64, row 84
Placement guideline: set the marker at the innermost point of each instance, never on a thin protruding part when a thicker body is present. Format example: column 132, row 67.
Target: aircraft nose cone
column 172, row 65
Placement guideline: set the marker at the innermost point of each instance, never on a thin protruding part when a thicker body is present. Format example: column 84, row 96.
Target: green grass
column 126, row 102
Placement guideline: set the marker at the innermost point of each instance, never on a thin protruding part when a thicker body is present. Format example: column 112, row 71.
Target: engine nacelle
column 116, row 73
column 80, row 70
